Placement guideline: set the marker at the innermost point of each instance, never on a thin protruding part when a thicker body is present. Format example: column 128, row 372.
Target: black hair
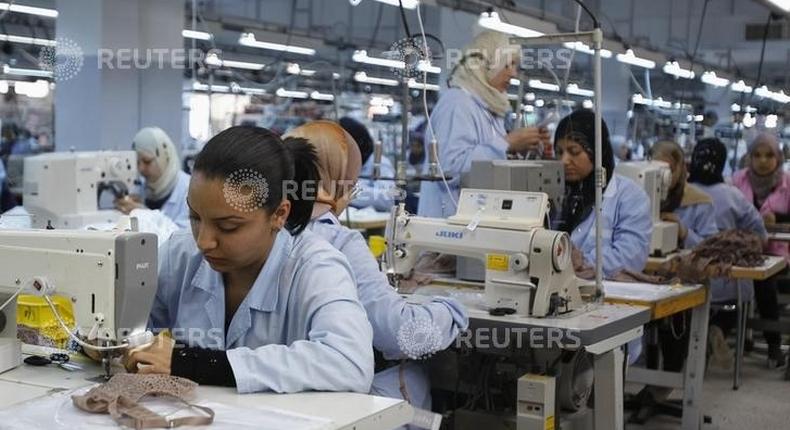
column 360, row 133
column 579, row 127
column 279, row 161
column 707, row 162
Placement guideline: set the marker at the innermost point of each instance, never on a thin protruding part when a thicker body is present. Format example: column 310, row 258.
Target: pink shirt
column 778, row 203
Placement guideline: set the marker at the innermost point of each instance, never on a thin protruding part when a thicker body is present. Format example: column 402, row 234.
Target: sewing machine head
column 63, row 189
column 528, row 269
column 655, row 177
column 110, row 277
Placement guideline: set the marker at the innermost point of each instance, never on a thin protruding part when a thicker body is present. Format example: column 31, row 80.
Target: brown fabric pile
column 712, row 258
column 586, row 271
column 715, row 256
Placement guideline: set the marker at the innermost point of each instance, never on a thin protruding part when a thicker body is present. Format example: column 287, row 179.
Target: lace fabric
column 120, row 397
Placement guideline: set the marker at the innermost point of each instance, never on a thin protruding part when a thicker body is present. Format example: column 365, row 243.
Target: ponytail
column 306, row 179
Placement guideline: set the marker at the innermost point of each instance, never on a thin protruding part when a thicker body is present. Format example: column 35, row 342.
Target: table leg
column 694, row 370
column 739, row 338
column 608, row 368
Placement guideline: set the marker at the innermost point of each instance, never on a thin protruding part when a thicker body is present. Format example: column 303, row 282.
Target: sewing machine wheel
column 576, row 381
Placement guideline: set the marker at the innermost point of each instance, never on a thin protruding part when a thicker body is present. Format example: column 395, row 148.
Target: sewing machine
column 110, row 277
column 656, row 178
column 540, row 176
column 63, row 189
column 528, row 269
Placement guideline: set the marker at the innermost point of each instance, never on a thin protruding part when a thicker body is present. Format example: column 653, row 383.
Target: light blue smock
column 465, row 131
column 175, row 206
column 700, row 221
column 301, row 326
column 378, row 193
column 390, row 314
column 732, row 211
column 627, row 227
column 2, row 173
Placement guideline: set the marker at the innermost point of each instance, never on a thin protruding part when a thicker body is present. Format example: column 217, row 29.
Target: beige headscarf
column 484, row 58
column 154, row 142
column 682, row 194
column 339, row 161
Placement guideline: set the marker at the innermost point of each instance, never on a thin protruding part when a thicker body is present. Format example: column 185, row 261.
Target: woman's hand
column 126, row 204
column 769, row 218
column 527, row 139
column 683, row 232
column 154, row 358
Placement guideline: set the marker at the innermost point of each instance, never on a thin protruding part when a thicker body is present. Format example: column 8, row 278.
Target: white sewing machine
column 62, row 189
column 528, row 268
column 656, row 179
column 110, row 276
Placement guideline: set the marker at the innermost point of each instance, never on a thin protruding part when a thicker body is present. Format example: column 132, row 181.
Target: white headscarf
column 154, row 142
column 483, row 59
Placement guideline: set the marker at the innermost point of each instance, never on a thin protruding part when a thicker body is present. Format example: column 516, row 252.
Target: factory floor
column 762, row 402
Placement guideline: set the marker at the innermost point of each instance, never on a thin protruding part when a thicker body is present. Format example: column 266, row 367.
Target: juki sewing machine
column 528, row 268
column 63, row 189
column 656, row 179
column 110, row 277
column 539, row 176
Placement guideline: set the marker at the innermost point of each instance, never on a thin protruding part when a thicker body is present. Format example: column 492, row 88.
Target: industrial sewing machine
column 63, row 189
column 110, row 277
column 539, row 176
column 655, row 177
column 528, row 269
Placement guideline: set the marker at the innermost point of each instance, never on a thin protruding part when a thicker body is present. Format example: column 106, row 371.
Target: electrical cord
column 434, row 144
column 762, row 56
column 403, row 18
column 76, row 338
column 13, row 296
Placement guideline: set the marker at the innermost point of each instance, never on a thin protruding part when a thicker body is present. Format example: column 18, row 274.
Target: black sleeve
column 783, row 218
column 204, row 366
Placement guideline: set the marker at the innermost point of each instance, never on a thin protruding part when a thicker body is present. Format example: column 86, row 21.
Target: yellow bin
column 377, row 245
column 38, row 325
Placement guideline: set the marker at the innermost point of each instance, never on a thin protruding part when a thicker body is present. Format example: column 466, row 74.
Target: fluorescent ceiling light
column 735, row 107
column 534, row 83
column 539, row 102
column 783, row 5
column 30, row 10
column 779, row 96
column 698, row 118
column 529, row 108
column 214, row 60
column 197, row 86
column 748, row 120
column 659, row 102
column 8, row 70
column 575, row 90
column 26, row 40
column 771, row 120
column 36, row 90
column 282, row 92
column 529, row 97
column 674, row 69
column 514, row 81
column 710, row 78
column 630, row 58
column 583, row 47
column 587, row 104
column 378, row 110
column 512, row 96
column 295, row 69
column 248, row 39
column 315, row 95
column 361, row 56
column 407, row 4
column 250, row 90
column 382, row 101
column 364, row 78
column 192, row 34
column 413, row 83
column 491, row 21
column 741, row 87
